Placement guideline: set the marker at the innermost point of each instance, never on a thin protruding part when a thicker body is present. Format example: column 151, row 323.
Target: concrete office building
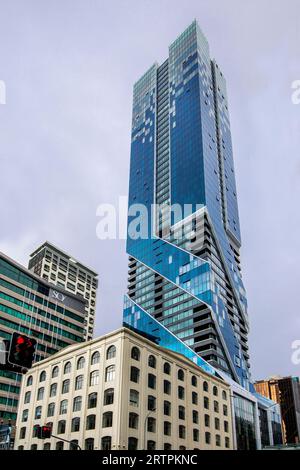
column 61, row 269
column 286, row 392
column 30, row 305
column 123, row 391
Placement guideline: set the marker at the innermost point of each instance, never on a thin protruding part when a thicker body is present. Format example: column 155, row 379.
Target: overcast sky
column 69, row 67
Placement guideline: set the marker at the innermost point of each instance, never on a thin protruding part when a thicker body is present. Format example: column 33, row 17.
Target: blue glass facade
column 185, row 286
column 138, row 320
column 181, row 154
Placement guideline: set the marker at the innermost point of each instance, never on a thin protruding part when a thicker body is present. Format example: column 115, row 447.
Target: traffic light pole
column 65, row 440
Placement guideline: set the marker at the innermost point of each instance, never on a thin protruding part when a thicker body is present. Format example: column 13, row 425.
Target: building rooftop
column 39, row 279
column 126, row 331
column 52, row 247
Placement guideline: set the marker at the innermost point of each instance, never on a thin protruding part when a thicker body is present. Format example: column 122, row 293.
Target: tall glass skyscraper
column 185, row 272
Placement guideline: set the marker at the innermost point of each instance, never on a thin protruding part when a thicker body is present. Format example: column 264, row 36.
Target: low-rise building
column 123, row 391
column 286, row 392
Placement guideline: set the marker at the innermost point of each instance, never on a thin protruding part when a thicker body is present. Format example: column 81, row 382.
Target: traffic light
column 37, row 431
column 21, row 351
column 42, row 432
column 46, row 432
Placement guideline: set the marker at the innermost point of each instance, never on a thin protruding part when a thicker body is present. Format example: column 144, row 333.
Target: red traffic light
column 42, row 432
column 22, row 350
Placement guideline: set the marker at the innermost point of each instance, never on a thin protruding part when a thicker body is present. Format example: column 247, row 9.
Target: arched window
column 151, row 445
column 195, row 417
column 42, row 376
column 207, row 438
column 181, row 412
column 196, row 435
column 80, row 363
column 29, row 381
column 61, row 426
column 25, row 416
column 151, row 403
column 152, row 362
column 134, row 398
column 92, row 400
column 111, row 352
column 135, row 353
column 55, row 372
column 38, row 412
column 181, row 392
column 167, row 428
column 94, row 378
column 110, row 373
column 27, row 397
column 75, row 425
column 107, row 419
column 151, row 424
column 63, row 407
column 77, row 402
column 51, row 409
column 59, row 445
column 79, row 382
column 53, row 390
column 134, row 374
column 132, row 443
column 152, row 381
column 90, row 422
column 167, row 387
column 206, row 403
column 95, row 358
column 47, row 446
column 180, row 374
column 89, row 444
column 205, row 386
column 67, row 368
column 182, row 432
column 167, row 368
column 133, row 422
column 194, row 381
column 167, row 408
column 109, row 396
column 106, row 443
column 22, row 434
column 74, row 444
column 224, row 395
column 65, row 386
column 215, row 391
